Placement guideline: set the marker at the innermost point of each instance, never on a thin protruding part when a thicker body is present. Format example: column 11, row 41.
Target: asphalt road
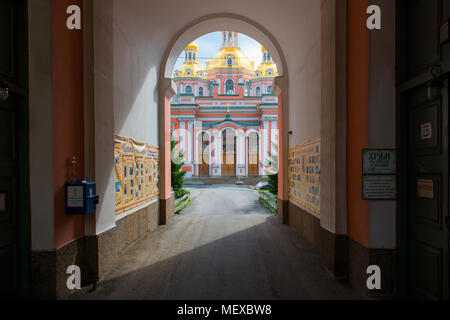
column 225, row 245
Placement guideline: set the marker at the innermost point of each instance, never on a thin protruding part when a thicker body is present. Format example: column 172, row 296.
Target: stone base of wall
column 333, row 251
column 307, row 225
column 128, row 231
column 95, row 255
column 167, row 209
column 360, row 258
column 283, row 211
column 345, row 258
column 48, row 270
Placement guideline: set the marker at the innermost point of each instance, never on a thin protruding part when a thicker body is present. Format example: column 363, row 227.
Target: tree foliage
column 177, row 174
column 272, row 174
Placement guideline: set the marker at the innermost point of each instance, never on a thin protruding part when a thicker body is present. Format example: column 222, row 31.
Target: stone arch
column 212, row 23
column 219, row 22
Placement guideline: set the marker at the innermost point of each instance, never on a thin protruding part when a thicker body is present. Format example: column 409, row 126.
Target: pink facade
column 225, row 118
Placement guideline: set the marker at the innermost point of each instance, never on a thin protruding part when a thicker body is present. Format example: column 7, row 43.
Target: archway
column 236, row 23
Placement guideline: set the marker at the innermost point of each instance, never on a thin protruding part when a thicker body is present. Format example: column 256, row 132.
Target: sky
column 210, row 44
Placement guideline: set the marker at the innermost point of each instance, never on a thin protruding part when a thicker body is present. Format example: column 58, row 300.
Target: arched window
column 200, row 91
column 258, row 91
column 188, row 90
column 269, row 89
column 247, row 89
column 229, row 86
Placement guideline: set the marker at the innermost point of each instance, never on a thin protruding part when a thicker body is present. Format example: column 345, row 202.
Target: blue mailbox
column 81, row 197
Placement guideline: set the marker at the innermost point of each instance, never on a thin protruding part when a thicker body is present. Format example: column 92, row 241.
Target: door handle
column 4, row 93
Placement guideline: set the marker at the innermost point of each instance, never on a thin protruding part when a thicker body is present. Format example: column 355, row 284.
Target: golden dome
column 192, row 46
column 266, row 70
column 230, row 58
column 190, row 70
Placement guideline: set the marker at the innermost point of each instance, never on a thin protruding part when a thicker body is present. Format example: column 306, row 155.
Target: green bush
column 180, row 193
column 273, row 162
column 177, row 174
column 273, row 183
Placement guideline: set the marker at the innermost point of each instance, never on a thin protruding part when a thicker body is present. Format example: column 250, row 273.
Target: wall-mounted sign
column 425, row 189
column 379, row 161
column 426, row 131
column 380, row 187
column 75, row 197
column 137, row 173
column 444, row 35
column 2, row 202
column 304, row 176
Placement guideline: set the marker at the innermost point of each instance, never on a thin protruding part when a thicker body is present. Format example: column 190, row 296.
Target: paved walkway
column 225, row 245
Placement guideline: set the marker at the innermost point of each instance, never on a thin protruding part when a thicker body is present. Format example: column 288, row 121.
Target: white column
column 191, row 141
column 274, row 136
column 219, row 81
column 266, row 140
column 182, row 137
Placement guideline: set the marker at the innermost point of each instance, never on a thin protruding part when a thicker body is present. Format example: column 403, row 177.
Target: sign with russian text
column 379, row 161
column 380, row 187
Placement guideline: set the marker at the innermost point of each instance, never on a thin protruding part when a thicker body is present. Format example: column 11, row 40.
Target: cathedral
column 224, row 117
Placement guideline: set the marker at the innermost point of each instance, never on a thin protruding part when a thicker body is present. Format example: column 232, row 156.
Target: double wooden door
column 423, row 148
column 204, row 155
column 14, row 194
column 228, row 153
column 428, row 237
column 253, row 154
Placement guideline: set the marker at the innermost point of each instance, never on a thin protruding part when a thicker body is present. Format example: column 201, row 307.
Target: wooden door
column 14, row 195
column 423, row 149
column 253, row 154
column 204, row 155
column 228, row 153
column 427, row 196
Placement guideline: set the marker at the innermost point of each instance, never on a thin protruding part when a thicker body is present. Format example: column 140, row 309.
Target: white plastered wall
column 131, row 39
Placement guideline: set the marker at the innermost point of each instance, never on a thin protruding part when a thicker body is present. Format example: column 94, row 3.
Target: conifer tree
column 273, row 173
column 177, row 174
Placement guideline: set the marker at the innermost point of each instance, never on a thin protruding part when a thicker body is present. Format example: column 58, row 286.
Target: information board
column 304, row 176
column 137, row 173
